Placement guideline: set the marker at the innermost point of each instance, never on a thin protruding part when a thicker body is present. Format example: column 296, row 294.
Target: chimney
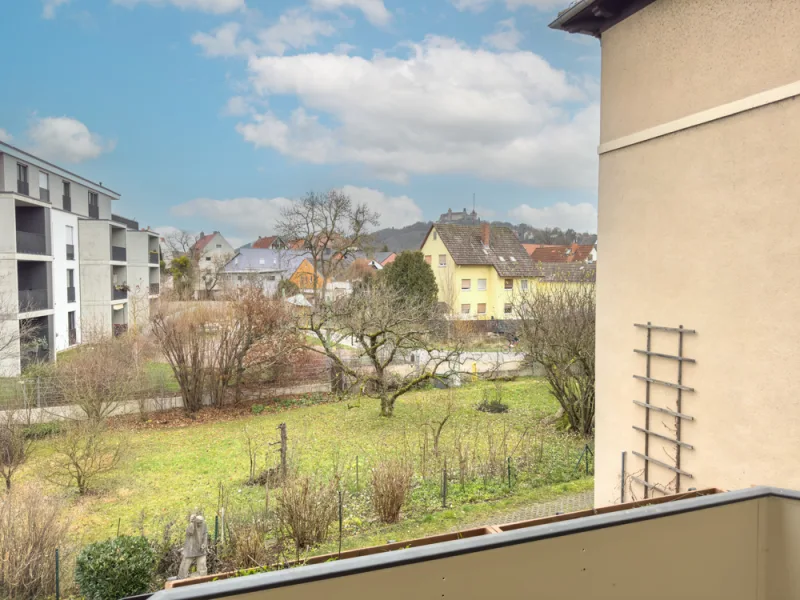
column 486, row 236
column 202, row 234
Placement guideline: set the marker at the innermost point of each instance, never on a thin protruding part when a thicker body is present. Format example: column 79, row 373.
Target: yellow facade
column 449, row 278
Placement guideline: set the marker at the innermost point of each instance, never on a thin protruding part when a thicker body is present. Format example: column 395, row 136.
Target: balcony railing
column 71, row 294
column 73, row 337
column 31, row 243
column 70, row 252
column 119, row 294
column 154, row 289
column 66, row 203
column 119, row 329
column 118, row 253
column 94, row 212
column 34, row 299
column 23, row 187
column 44, row 195
column 153, row 258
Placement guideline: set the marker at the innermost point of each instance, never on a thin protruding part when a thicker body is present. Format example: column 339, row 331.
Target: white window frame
column 442, row 260
column 481, row 285
column 523, row 284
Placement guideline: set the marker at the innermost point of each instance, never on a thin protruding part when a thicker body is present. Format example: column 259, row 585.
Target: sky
column 213, row 114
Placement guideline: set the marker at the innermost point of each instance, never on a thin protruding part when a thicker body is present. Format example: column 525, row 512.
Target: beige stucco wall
column 700, row 228
column 692, row 55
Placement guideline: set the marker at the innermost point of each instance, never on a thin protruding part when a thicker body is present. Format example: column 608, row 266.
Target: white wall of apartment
column 267, row 281
column 60, row 221
column 9, row 324
column 95, row 276
column 140, row 275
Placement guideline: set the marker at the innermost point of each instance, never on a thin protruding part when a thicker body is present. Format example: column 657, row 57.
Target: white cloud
column 66, row 139
column 580, row 217
column 247, row 218
column 481, row 5
column 374, row 10
column 295, row 29
column 49, row 8
column 506, row 36
column 5, row 136
column 446, row 108
column 394, row 211
column 343, row 48
column 237, row 106
column 210, row 6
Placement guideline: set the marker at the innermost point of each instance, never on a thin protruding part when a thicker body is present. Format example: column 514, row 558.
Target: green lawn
column 169, row 472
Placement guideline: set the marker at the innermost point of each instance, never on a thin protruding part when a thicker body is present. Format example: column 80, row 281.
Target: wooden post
column 284, row 446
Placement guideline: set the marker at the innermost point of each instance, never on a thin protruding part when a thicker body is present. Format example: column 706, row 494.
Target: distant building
column 460, row 218
column 573, row 253
column 272, row 242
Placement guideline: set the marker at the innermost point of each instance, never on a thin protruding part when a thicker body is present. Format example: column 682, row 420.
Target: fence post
column 58, row 582
column 508, row 463
column 216, row 530
column 38, row 393
column 444, row 485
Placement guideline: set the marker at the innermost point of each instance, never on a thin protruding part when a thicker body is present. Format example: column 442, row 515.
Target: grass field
column 169, row 472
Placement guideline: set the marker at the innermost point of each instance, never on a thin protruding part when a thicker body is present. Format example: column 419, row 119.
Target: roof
column 203, row 241
column 383, row 257
column 593, row 17
column 562, row 254
column 265, row 260
column 264, row 242
column 505, row 253
column 566, row 272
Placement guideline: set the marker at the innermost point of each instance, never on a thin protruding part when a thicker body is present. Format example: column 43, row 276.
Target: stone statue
column 194, row 548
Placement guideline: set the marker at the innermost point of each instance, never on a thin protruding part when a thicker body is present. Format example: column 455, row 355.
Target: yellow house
column 478, row 268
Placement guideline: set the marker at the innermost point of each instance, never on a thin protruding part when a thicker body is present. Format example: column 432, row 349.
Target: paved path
column 564, row 504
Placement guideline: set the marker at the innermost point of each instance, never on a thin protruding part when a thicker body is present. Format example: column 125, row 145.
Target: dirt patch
column 178, row 417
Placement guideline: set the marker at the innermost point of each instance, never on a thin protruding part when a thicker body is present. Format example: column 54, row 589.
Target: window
column 94, row 206
column 508, row 284
column 239, row 277
column 501, row 259
column 465, row 309
column 219, row 245
column 66, row 188
column 66, row 199
column 507, row 308
column 208, row 259
column 70, row 277
column 466, row 284
column 481, row 309
column 70, row 235
column 261, row 261
column 481, row 285
column 512, row 259
column 271, row 278
column 524, row 285
column 436, row 237
column 443, row 260
column 44, row 181
column 71, row 319
column 428, row 258
column 22, row 173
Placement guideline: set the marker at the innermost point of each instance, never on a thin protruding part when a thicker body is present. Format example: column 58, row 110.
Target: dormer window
column 501, row 259
column 512, row 259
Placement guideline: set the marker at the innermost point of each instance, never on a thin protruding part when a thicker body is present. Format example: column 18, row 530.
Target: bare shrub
column 305, row 510
column 31, row 528
column 252, row 541
column 14, row 447
column 99, row 377
column 254, row 445
column 82, row 453
column 391, row 483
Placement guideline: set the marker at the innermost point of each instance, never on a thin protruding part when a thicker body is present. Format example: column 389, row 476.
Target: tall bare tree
column 329, row 227
column 557, row 331
column 386, row 328
column 14, row 446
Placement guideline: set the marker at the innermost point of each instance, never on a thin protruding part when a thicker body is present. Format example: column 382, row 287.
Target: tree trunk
column 387, row 405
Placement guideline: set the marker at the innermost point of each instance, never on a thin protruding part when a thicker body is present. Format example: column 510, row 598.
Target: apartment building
column 63, row 260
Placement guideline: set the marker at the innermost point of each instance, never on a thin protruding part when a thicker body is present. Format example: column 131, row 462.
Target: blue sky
column 209, row 114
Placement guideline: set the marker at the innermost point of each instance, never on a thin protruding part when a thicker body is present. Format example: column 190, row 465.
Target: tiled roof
column 581, row 253
column 265, row 259
column 505, row 253
column 566, row 272
column 383, row 257
column 550, row 254
column 264, row 242
column 203, row 241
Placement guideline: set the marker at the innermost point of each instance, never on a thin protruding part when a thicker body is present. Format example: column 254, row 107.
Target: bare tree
column 329, row 227
column 180, row 243
column 100, row 376
column 557, row 331
column 211, row 273
column 20, row 339
column 14, row 447
column 182, row 264
column 384, row 327
column 82, row 453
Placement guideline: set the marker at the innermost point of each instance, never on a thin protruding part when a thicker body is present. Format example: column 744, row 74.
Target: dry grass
column 391, row 483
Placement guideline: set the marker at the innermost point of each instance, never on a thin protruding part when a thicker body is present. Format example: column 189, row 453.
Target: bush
column 305, row 510
column 391, row 482
column 82, row 453
column 31, row 528
column 494, row 404
column 115, row 568
column 257, row 409
column 38, row 431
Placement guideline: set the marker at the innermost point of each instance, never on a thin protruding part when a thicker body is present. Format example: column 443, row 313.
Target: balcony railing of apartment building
column 73, row 337
column 31, row 243
column 119, row 329
column 94, row 212
column 119, row 294
column 118, row 253
column 70, row 252
column 66, row 203
column 30, row 300
column 44, row 195
column 154, row 289
column 153, row 257
column 23, row 187
column 71, row 294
